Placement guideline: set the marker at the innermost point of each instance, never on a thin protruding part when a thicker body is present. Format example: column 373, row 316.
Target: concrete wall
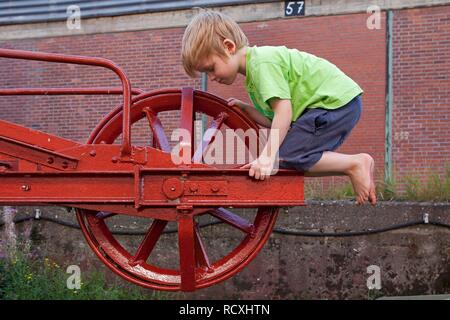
column 413, row 260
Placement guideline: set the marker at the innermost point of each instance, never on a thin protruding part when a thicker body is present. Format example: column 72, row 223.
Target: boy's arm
column 258, row 117
column 251, row 111
column 280, row 125
column 262, row 167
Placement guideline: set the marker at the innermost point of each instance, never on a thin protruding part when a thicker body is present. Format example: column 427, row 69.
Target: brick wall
column 151, row 60
column 346, row 41
column 421, row 131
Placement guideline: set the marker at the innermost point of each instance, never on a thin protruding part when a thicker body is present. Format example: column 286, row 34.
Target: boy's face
column 221, row 69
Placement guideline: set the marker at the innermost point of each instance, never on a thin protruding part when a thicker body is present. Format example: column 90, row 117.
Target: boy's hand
column 238, row 103
column 260, row 168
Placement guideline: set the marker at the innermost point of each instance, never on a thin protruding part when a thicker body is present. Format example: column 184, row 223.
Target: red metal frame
column 102, row 180
column 90, row 61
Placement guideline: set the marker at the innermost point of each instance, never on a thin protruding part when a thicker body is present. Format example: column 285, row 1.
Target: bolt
column 65, row 164
column 214, row 188
column 50, row 160
column 172, row 189
column 93, row 153
column 114, row 159
column 26, row 187
column 193, row 187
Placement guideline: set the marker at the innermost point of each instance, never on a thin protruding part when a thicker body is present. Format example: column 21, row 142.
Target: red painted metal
column 187, row 120
column 158, row 131
column 210, row 134
column 149, row 242
column 90, row 61
column 64, row 91
column 107, row 180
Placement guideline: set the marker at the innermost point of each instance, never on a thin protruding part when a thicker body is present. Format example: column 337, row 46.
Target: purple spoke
column 232, row 219
column 104, row 215
column 158, row 131
column 210, row 133
column 200, row 251
column 149, row 242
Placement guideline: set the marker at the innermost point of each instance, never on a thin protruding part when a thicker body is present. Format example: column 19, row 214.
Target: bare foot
column 361, row 176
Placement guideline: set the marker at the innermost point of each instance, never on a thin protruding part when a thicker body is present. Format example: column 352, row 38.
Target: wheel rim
column 195, row 270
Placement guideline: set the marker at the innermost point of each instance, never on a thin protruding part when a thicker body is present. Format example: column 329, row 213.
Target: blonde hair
column 204, row 36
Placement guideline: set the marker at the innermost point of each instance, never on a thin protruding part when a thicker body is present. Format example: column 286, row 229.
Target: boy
column 310, row 102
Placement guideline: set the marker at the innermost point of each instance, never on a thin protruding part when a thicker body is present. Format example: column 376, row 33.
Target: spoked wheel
column 198, row 264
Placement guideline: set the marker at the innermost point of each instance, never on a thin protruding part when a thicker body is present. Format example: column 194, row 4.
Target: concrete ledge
column 180, row 18
column 427, row 297
column 412, row 261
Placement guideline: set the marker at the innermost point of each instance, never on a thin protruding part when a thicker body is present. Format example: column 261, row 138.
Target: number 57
column 290, row 6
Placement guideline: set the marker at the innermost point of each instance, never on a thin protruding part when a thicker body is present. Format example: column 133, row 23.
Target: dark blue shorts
column 315, row 131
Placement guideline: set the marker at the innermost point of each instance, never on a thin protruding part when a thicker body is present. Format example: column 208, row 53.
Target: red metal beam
column 215, row 188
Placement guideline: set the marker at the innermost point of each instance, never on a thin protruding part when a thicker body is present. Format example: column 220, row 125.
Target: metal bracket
column 12, row 165
column 49, row 158
column 138, row 156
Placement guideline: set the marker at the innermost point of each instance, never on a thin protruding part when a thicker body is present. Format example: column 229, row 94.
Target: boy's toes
column 363, row 198
column 373, row 197
column 359, row 200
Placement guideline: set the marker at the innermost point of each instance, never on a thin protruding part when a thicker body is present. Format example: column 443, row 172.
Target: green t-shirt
column 308, row 81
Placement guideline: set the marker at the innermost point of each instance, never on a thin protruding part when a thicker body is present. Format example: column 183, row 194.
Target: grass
column 435, row 188
column 23, row 278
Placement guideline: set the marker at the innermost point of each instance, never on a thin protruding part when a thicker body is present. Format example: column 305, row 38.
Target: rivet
column 93, row 153
column 50, row 160
column 65, row 165
column 114, row 159
column 26, row 187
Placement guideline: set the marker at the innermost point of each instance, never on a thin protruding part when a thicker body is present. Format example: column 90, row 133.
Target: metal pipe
column 389, row 99
column 92, row 61
column 64, row 91
column 204, row 80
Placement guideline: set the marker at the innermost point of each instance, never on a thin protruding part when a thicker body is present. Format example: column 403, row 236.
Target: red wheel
column 199, row 265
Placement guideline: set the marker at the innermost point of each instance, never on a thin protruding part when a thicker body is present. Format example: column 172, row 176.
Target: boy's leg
column 358, row 167
column 310, row 143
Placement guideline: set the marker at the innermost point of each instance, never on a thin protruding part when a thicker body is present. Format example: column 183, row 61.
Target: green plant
column 314, row 189
column 24, row 278
column 435, row 187
column 374, row 294
column 386, row 190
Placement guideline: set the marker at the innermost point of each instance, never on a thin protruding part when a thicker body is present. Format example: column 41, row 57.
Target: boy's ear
column 229, row 46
